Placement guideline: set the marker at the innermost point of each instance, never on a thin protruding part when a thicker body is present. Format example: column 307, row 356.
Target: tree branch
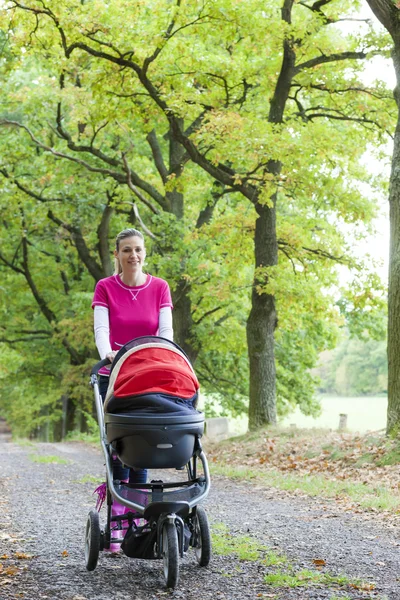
column 207, row 314
column 10, row 265
column 102, row 236
column 29, row 192
column 92, row 266
column 45, row 310
column 30, row 331
column 206, row 213
column 157, row 155
column 117, row 176
column 319, row 60
column 23, row 339
column 324, row 88
column 81, row 148
column 282, row 245
column 338, row 117
column 218, row 172
column 44, row 11
column 143, row 226
column 135, row 190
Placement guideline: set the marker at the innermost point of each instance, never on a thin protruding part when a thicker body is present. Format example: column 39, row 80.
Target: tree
column 286, row 157
column 387, row 12
column 355, row 368
column 61, row 221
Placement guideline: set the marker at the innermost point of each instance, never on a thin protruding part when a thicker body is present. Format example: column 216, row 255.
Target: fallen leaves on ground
column 319, row 562
column 363, row 587
column 9, row 568
column 339, row 456
column 372, row 460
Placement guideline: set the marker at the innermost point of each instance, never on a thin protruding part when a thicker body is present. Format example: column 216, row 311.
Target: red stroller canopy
column 155, row 370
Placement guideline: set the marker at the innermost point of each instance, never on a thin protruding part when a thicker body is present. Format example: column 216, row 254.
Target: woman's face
column 131, row 254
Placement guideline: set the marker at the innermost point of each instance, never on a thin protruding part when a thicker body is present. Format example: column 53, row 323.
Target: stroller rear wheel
column 202, row 537
column 92, row 540
column 170, row 553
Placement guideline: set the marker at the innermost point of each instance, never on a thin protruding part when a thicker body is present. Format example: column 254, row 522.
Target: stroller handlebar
column 99, row 365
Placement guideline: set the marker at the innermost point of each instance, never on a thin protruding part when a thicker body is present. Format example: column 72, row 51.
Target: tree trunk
column 261, row 325
column 387, row 12
column 393, row 411
column 183, row 321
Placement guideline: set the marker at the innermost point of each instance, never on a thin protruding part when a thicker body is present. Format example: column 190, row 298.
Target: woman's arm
column 102, row 331
column 165, row 323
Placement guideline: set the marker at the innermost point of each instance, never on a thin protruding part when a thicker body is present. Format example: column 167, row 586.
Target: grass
column 243, row 547
column 247, row 548
column 24, row 443
column 336, row 454
column 391, row 457
column 365, row 459
column 88, row 438
column 304, row 577
column 37, row 458
column 90, row 479
column 353, row 468
column 367, row 496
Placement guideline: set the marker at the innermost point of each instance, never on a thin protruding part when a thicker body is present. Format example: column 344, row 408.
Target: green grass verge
column 247, row 548
column 90, row 479
column 376, row 497
column 24, row 443
column 88, row 438
column 37, row 458
column 305, row 577
column 243, row 547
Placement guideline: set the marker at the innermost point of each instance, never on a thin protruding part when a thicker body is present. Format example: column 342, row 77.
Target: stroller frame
column 162, row 515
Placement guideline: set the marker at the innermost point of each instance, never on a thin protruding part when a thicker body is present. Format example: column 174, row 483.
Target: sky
column 382, row 69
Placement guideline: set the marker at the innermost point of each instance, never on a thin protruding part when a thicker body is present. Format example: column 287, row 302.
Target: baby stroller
column 149, row 420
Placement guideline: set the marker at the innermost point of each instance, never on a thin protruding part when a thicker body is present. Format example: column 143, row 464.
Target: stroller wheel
column 170, row 553
column 92, row 540
column 202, row 537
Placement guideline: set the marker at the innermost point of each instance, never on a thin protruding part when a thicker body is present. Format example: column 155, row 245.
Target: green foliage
column 364, row 306
column 355, row 368
column 84, row 138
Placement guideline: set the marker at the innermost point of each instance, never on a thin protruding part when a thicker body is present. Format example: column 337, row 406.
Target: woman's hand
column 111, row 355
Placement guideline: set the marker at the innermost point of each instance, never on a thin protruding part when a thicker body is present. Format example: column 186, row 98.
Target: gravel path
column 43, row 510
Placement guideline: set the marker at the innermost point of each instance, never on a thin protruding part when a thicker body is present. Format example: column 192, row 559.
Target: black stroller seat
column 154, row 441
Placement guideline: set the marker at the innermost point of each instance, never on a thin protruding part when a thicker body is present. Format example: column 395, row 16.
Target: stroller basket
column 154, row 441
column 162, row 492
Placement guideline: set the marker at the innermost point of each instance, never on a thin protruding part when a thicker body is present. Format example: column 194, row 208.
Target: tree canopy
column 232, row 134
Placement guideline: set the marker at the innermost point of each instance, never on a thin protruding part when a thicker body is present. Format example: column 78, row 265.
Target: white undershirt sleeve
column 102, row 330
column 165, row 323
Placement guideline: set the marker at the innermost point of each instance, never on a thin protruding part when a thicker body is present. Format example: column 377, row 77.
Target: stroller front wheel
column 170, row 553
column 202, row 537
column 92, row 540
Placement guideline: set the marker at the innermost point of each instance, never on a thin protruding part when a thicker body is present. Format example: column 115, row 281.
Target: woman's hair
column 126, row 233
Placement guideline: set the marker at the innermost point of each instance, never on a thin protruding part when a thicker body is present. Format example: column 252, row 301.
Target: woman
column 127, row 305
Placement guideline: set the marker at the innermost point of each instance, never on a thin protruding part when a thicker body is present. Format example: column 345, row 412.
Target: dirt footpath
column 43, row 508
